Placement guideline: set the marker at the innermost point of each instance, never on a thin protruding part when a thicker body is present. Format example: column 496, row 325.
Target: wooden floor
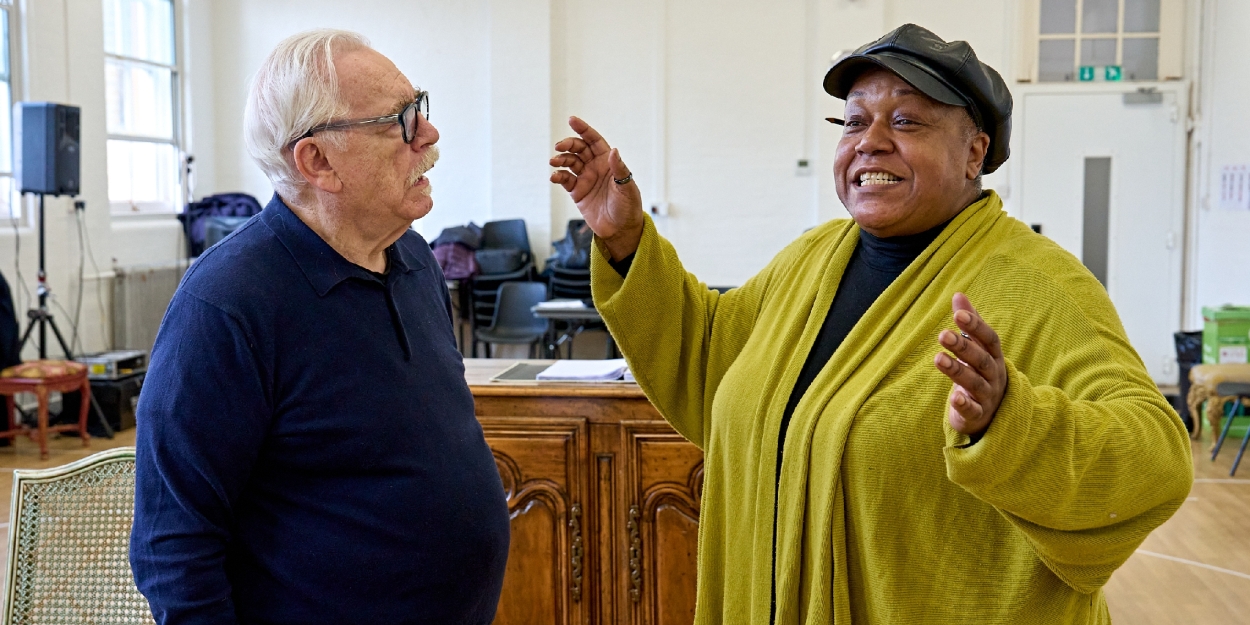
column 1193, row 570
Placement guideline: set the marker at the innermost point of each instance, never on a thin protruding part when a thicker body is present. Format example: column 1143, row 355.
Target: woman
column 877, row 450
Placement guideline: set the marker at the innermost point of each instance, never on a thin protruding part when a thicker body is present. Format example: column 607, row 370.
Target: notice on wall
column 1235, row 188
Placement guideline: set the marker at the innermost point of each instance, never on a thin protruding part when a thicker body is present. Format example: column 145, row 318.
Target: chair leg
column 42, row 433
column 1228, row 422
column 1242, row 450
column 9, row 403
column 82, row 413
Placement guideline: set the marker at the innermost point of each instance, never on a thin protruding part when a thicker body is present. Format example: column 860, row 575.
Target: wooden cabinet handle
column 635, row 554
column 575, row 528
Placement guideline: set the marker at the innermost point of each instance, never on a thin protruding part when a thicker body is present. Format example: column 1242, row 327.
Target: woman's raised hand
column 591, row 171
column 976, row 366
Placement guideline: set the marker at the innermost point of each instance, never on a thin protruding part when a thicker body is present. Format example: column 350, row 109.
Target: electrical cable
column 17, row 270
column 96, row 268
column 75, row 344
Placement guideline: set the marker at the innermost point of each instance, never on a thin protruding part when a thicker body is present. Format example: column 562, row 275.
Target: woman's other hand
column 977, row 369
column 591, row 171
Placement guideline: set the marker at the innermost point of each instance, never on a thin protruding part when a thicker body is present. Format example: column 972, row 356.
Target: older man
column 307, row 447
column 856, row 471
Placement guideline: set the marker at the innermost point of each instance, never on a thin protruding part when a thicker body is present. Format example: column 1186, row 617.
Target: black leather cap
column 947, row 72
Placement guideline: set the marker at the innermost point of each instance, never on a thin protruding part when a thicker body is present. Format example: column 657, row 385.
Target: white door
column 1104, row 176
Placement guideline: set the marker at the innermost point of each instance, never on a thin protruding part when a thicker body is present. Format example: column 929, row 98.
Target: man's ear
column 979, row 147
column 314, row 165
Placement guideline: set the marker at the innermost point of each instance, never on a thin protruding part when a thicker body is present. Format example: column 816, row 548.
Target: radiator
column 141, row 293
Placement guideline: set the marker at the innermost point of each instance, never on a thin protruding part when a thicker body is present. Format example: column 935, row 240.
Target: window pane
column 1058, row 17
column 142, row 29
column 1141, row 59
column 1141, row 16
column 1056, row 60
column 139, row 99
column 4, row 46
column 6, row 131
column 1098, row 52
column 1100, row 16
column 143, row 172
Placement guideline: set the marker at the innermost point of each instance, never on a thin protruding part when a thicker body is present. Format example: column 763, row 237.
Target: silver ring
column 624, row 180
column 964, row 335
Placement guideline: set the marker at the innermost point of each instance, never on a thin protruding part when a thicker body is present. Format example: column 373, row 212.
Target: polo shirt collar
column 324, row 267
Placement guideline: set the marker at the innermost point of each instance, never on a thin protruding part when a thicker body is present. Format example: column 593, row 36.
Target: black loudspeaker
column 47, row 147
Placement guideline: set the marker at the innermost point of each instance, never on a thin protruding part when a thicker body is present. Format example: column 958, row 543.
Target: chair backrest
column 513, row 304
column 506, row 233
column 69, row 537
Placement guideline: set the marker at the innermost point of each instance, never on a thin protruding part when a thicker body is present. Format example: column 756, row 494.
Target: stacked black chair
column 514, row 321
column 568, row 274
column 567, row 283
column 502, row 241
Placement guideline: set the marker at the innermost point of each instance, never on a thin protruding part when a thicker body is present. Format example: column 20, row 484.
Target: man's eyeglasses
column 406, row 118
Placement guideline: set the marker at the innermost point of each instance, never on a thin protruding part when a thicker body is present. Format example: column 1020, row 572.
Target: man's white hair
column 296, row 89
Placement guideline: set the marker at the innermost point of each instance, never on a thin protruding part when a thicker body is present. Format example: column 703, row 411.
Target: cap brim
column 841, row 76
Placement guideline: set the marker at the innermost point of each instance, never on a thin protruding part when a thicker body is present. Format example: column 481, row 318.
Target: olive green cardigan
column 884, row 513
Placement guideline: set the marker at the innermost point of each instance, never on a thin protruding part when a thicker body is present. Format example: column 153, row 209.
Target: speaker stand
column 41, row 317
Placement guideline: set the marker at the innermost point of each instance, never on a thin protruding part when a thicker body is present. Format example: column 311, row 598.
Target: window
column 10, row 207
column 1103, row 40
column 142, row 79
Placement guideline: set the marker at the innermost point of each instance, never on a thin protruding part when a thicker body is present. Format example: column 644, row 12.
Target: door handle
column 635, row 554
column 576, row 550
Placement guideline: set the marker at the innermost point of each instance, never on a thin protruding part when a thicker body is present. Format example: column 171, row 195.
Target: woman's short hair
column 295, row 90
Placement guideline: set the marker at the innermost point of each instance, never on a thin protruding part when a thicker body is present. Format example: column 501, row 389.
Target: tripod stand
column 41, row 317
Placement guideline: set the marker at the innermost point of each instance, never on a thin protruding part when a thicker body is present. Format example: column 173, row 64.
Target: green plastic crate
column 1225, row 335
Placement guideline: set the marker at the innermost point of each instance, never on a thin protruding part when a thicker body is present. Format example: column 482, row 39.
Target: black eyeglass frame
column 419, row 107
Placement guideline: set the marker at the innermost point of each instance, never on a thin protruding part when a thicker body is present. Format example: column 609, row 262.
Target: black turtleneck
column 874, row 265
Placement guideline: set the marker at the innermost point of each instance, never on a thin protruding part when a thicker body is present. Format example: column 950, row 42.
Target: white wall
column 443, row 46
column 1219, row 268
column 69, row 41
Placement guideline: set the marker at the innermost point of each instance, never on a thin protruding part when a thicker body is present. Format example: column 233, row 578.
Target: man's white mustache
column 427, row 163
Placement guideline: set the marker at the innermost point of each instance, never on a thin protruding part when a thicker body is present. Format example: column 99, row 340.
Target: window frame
column 1171, row 35
column 177, row 87
column 17, row 204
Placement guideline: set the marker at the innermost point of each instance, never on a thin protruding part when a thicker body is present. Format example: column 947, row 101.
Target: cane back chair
column 69, row 535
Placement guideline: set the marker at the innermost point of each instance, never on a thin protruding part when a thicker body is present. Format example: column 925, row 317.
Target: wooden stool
column 1206, row 380
column 42, row 377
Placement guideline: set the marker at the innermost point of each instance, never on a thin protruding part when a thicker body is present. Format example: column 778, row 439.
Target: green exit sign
column 1110, row 73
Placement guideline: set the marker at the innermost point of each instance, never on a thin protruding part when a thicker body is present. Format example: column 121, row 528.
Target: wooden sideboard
column 604, row 498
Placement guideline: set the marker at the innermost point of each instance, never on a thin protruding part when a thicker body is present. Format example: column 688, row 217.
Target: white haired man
column 307, row 450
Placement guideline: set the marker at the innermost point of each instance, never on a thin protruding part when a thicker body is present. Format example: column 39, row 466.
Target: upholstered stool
column 42, row 377
column 1206, row 380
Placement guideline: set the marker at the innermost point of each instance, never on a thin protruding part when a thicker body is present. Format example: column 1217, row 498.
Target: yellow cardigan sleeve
column 678, row 336
column 1084, row 456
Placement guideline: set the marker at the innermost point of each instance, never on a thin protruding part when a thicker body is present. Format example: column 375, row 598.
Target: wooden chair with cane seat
column 42, row 377
column 69, row 538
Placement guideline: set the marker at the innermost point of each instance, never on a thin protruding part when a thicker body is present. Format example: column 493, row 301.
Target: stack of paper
column 562, row 304
column 585, row 370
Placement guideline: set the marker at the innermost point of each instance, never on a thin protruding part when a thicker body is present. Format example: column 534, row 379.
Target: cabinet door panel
column 542, row 464
column 675, row 564
column 663, row 486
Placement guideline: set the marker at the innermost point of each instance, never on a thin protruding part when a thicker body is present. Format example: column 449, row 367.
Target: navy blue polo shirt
column 307, row 450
